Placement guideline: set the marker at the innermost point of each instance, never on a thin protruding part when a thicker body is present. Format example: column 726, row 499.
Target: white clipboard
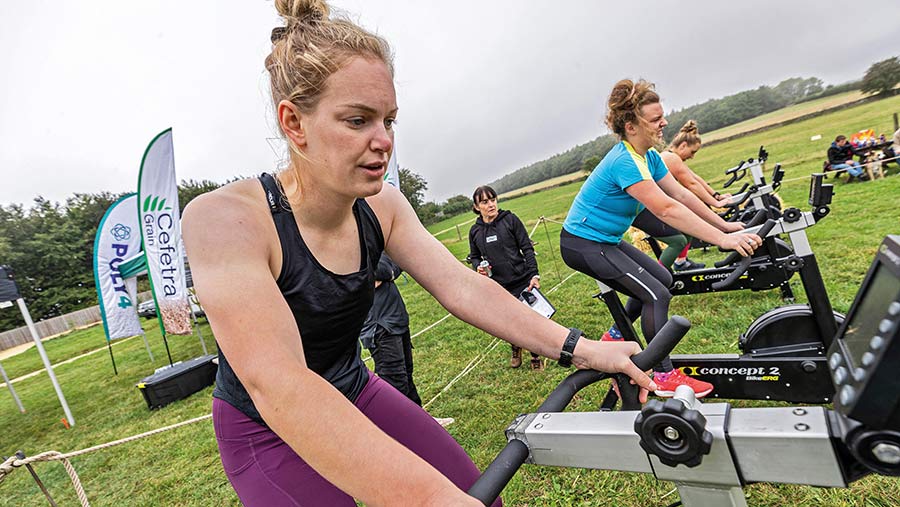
column 541, row 304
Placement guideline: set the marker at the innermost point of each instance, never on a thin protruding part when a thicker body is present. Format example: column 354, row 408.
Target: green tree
column 795, row 89
column 413, row 187
column 429, row 212
column 882, row 76
column 590, row 163
column 456, row 205
column 189, row 189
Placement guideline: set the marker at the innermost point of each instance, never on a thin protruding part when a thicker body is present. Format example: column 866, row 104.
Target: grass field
column 181, row 467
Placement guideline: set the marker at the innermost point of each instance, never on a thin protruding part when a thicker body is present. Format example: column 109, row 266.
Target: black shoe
column 864, row 177
column 687, row 265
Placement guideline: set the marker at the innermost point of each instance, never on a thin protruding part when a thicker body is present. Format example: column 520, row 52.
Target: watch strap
column 568, row 348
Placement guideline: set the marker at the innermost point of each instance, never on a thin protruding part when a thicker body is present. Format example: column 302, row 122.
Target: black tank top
column 329, row 308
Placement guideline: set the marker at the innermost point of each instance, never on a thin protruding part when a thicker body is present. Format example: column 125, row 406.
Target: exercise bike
column 711, row 451
column 760, row 194
column 765, row 272
column 783, row 351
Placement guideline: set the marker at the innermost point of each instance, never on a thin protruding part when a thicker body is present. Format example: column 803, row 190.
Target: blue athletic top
column 603, row 210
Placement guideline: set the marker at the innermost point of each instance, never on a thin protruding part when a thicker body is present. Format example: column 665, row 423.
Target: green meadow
column 461, row 372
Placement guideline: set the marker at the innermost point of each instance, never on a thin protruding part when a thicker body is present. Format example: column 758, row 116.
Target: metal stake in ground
column 21, row 455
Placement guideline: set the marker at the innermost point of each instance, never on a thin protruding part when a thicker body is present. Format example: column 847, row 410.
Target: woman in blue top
column 630, row 177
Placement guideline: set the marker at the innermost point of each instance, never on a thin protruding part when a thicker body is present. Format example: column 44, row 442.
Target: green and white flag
column 161, row 232
column 118, row 238
column 392, row 174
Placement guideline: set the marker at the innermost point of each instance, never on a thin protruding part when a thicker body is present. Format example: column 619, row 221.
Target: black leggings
column 629, row 271
column 394, row 361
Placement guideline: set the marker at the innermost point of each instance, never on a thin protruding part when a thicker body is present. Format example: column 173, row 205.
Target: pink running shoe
column 667, row 382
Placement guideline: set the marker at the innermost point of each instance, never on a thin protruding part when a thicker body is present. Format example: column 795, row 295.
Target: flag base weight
column 178, row 382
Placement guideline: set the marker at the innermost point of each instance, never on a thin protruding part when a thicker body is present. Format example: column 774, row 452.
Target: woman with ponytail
column 683, row 147
column 285, row 267
column 631, row 177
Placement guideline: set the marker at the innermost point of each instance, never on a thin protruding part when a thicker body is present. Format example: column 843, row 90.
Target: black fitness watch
column 568, row 348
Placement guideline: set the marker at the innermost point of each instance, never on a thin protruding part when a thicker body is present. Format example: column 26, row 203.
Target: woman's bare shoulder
column 668, row 157
column 235, row 211
column 672, row 161
column 387, row 205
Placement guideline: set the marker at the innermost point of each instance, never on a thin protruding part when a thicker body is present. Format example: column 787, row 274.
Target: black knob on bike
column 673, row 433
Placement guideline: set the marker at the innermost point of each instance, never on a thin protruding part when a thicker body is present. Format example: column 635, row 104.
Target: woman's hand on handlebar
column 723, row 202
column 614, row 357
column 744, row 244
column 732, row 226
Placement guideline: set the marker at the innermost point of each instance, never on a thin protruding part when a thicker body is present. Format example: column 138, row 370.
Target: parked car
column 147, row 309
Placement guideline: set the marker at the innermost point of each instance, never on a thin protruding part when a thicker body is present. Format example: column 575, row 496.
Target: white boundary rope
column 12, row 463
column 478, row 359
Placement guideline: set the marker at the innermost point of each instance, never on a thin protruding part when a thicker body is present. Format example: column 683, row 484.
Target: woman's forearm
column 698, row 190
column 483, row 303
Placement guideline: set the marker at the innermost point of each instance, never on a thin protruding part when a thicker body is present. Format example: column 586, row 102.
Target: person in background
column 682, row 148
column 285, row 267
column 840, row 156
column 386, row 334
column 892, row 152
column 386, row 331
column 499, row 238
column 632, row 176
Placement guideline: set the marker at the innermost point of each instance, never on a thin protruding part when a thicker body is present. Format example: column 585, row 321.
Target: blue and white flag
column 118, row 238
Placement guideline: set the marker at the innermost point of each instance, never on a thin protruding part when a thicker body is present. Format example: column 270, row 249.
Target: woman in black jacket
column 499, row 238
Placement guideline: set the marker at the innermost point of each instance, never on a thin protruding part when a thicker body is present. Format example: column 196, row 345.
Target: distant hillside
column 565, row 163
column 739, row 110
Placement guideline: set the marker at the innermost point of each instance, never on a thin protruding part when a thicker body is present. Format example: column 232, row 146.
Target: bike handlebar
column 758, row 218
column 744, row 264
column 733, row 173
column 498, row 474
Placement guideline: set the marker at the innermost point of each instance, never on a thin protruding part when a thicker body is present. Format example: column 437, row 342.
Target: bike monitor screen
column 864, row 355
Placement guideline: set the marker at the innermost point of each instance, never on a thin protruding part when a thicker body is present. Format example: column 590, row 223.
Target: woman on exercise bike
column 683, row 147
column 285, row 264
column 630, row 177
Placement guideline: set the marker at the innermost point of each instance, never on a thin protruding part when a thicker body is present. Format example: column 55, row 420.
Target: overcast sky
column 484, row 87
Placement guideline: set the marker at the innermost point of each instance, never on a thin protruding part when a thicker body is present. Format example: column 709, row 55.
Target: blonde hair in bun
column 311, row 46
column 689, row 134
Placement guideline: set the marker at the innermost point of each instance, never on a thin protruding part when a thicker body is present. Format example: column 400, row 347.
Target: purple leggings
column 265, row 471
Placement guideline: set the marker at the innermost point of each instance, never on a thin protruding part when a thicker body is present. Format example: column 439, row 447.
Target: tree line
column 50, row 246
